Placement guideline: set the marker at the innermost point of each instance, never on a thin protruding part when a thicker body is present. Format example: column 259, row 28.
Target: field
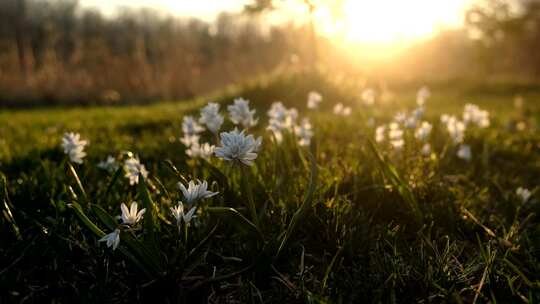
column 349, row 218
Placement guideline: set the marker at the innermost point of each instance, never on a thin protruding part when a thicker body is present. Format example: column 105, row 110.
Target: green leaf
column 302, row 211
column 149, row 221
column 7, row 206
column 77, row 180
column 390, row 172
column 238, row 218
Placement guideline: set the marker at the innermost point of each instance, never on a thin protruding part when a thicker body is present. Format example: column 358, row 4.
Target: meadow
column 339, row 210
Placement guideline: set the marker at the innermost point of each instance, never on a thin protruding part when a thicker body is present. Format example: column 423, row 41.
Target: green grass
column 339, row 222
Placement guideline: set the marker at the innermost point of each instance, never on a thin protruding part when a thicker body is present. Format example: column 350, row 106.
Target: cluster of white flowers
column 191, row 130
column 340, row 109
column 237, row 147
column 239, row 113
column 422, row 95
column 204, row 150
column 281, row 119
column 133, row 168
column 455, row 127
column 195, row 192
column 472, row 114
column 130, row 217
column 314, row 99
column 74, row 147
column 304, row 132
column 464, row 152
column 368, row 96
column 393, row 132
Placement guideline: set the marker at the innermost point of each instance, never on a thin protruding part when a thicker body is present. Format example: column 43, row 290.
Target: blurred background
column 69, row 52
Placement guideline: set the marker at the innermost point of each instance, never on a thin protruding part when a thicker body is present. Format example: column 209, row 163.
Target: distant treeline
column 57, row 52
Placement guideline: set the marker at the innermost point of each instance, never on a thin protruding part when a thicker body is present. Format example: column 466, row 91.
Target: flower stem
column 249, row 193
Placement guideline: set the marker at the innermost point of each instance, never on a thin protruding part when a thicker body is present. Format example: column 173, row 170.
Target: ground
column 345, row 220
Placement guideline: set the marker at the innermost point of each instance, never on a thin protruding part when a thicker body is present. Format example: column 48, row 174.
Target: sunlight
column 391, row 21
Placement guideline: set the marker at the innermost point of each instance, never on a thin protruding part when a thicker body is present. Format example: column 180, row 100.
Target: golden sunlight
column 391, row 21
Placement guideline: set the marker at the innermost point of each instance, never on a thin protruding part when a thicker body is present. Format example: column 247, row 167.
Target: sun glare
column 392, row 21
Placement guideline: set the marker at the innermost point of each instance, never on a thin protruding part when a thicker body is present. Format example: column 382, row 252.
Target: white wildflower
column 379, row 134
column 423, row 131
column 203, row 151
column 464, row 152
column 196, row 191
column 109, row 165
column 131, row 216
column 236, row 146
column 473, row 114
column 179, row 215
column 368, row 96
column 112, row 239
column 133, row 167
column 211, row 118
column 304, row 132
column 426, row 149
column 314, row 99
column 423, row 94
column 239, row 113
column 190, row 127
column 74, row 147
column 395, row 136
column 524, row 194
column 189, row 140
column 340, row 109
column 455, row 128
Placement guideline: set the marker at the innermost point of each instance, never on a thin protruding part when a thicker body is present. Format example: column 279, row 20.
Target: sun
column 391, row 21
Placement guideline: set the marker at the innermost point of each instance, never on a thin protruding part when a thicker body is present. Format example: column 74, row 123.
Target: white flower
column 190, row 127
column 340, row 109
column 464, row 152
column 314, row 98
column 239, row 113
column 368, row 96
column 422, row 133
column 455, row 128
column 400, row 117
column 524, row 194
column 195, row 192
column 281, row 116
column 473, row 114
column 281, row 119
column 423, row 94
column 112, row 239
column 133, row 168
column 131, row 216
column 379, row 134
column 235, row 146
column 189, row 140
column 426, row 149
column 410, row 122
column 179, row 215
column 74, row 147
column 304, row 132
column 203, row 151
column 395, row 136
column 418, row 113
column 110, row 164
column 211, row 118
